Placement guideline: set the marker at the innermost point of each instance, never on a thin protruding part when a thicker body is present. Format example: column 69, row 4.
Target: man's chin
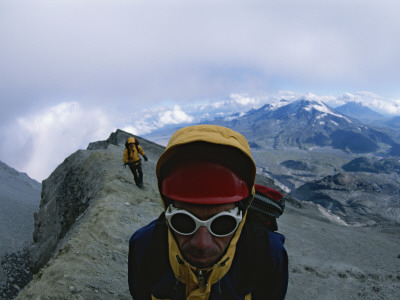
column 201, row 262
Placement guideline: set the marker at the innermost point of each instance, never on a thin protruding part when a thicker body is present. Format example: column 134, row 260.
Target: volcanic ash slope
column 327, row 260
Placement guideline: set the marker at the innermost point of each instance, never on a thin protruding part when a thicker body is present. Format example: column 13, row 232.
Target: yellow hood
column 131, row 140
column 215, row 141
column 220, row 142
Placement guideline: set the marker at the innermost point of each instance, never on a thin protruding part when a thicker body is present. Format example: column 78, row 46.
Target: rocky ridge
column 327, row 258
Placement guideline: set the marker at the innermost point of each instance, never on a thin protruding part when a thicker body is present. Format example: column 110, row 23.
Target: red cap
column 203, row 183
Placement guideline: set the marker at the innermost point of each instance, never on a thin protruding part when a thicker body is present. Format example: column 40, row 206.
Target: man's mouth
column 199, row 261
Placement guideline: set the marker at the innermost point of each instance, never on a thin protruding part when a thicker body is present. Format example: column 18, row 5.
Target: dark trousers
column 137, row 172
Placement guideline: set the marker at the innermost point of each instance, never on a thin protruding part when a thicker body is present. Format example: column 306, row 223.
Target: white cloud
column 141, row 126
column 56, row 132
column 374, row 101
column 142, row 122
column 175, row 116
column 151, row 50
column 243, row 99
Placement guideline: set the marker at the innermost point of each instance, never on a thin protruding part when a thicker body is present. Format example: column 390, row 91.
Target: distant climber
column 207, row 244
column 133, row 160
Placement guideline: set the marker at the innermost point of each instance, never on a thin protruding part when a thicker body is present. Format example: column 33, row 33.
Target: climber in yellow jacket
column 207, row 245
column 132, row 159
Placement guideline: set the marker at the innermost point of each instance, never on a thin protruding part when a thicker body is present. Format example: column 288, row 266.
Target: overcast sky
column 71, row 72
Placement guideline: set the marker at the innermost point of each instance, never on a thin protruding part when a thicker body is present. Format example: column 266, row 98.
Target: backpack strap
column 266, row 270
column 254, row 256
column 155, row 261
column 128, row 150
column 136, row 146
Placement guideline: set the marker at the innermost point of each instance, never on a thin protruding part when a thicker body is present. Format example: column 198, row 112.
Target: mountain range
column 305, row 124
column 304, row 144
column 308, row 123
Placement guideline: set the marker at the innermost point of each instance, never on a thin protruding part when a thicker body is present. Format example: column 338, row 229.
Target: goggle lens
column 184, row 223
column 223, row 225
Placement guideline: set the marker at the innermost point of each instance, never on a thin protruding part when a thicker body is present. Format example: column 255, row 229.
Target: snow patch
column 334, row 123
column 332, row 217
column 276, row 105
column 231, row 118
column 321, row 107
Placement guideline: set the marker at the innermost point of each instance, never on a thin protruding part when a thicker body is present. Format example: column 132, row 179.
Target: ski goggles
column 220, row 225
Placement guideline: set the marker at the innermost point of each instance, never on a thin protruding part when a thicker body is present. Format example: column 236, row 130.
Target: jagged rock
column 15, row 267
column 116, row 138
column 65, row 196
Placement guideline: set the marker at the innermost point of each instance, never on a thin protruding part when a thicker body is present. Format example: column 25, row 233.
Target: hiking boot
column 139, row 184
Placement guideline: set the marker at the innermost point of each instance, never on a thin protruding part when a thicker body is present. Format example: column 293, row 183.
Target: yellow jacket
column 133, row 155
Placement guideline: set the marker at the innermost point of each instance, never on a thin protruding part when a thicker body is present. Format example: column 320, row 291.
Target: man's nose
column 202, row 239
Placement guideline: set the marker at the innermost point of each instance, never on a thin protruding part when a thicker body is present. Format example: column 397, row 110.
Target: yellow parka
column 220, row 136
column 131, row 154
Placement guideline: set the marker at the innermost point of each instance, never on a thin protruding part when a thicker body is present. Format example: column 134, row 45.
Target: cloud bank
column 46, row 138
column 149, row 51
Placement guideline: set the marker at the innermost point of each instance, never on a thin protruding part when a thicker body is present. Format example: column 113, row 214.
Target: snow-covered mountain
column 303, row 124
column 307, row 123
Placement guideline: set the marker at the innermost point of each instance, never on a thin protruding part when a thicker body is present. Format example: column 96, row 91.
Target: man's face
column 202, row 249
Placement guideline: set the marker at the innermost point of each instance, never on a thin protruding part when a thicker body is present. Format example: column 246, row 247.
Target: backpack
column 136, row 143
column 268, row 204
